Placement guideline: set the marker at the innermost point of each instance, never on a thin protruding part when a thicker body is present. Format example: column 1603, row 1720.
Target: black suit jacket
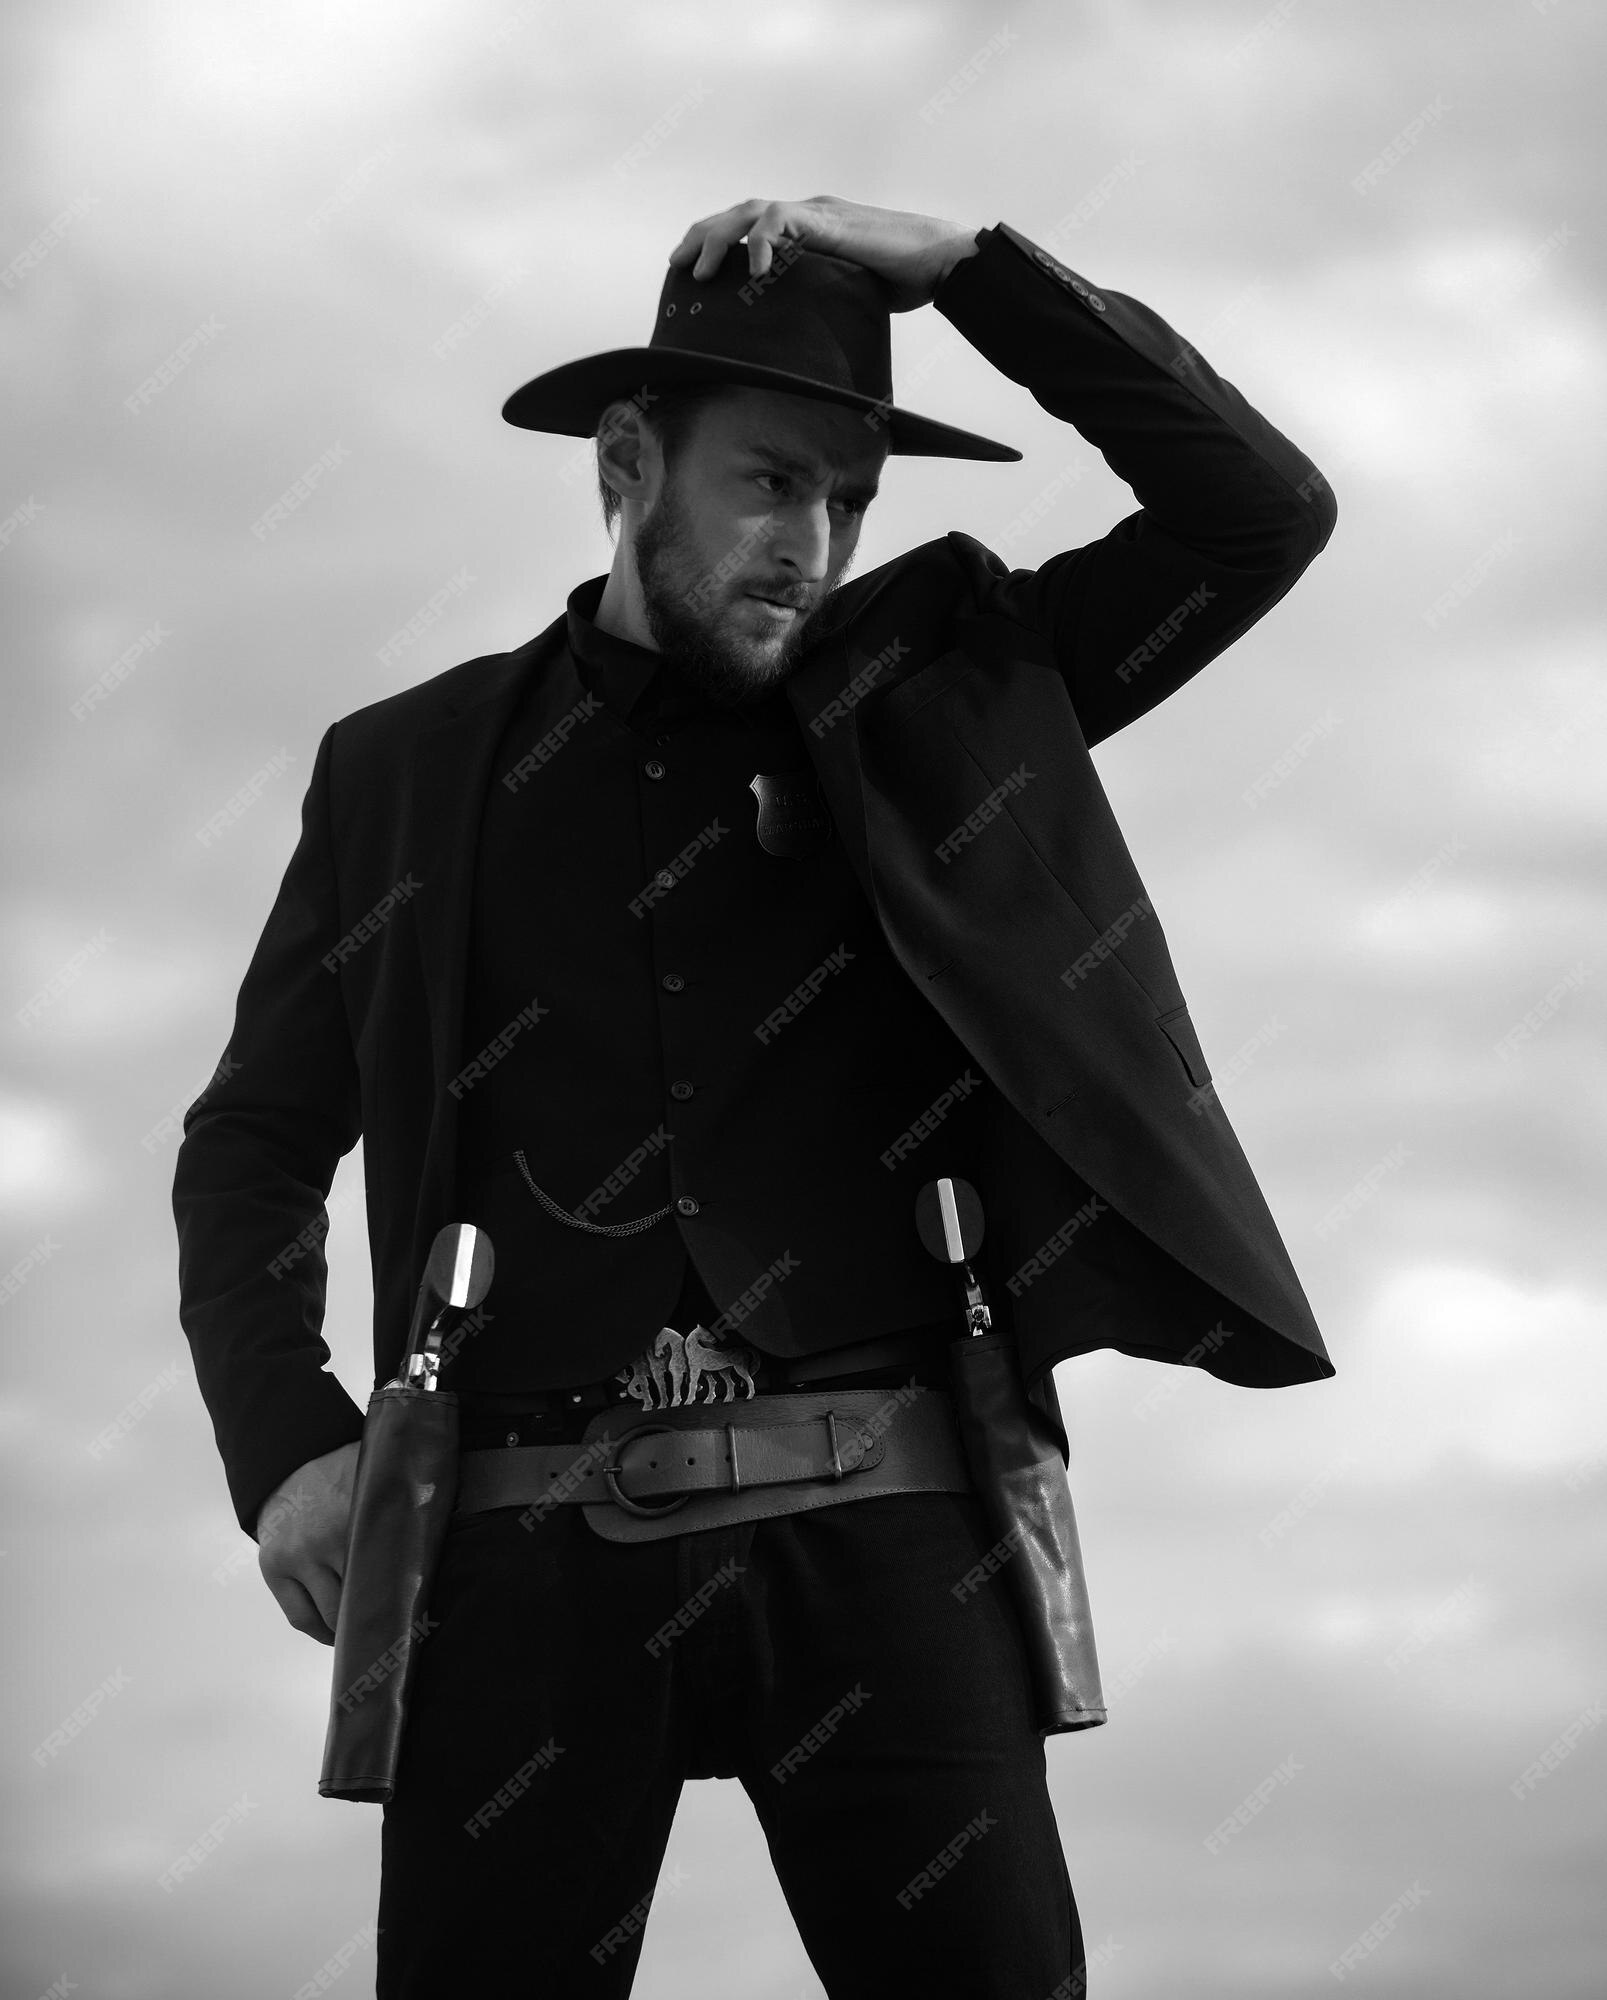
column 945, row 687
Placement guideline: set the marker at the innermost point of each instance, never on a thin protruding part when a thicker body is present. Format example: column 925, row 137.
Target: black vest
column 662, row 1014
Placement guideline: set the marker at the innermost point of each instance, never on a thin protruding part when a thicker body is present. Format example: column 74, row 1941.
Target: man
column 678, row 949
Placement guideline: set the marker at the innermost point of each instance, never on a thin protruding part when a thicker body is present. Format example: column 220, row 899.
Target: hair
column 671, row 414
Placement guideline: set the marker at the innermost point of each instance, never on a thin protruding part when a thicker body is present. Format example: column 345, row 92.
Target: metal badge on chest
column 794, row 819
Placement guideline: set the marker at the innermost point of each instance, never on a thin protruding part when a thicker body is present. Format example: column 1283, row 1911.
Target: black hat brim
column 569, row 400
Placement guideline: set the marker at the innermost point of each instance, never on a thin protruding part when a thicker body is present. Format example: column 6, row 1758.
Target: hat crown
column 811, row 314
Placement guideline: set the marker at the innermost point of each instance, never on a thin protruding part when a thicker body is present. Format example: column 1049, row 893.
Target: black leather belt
column 640, row 1475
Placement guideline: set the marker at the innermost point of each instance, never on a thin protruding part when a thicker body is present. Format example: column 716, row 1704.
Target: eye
column 761, row 477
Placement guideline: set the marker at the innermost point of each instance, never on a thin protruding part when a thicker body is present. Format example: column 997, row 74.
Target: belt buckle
column 616, row 1492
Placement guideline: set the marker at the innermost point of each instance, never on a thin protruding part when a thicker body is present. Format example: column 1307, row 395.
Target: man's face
column 753, row 524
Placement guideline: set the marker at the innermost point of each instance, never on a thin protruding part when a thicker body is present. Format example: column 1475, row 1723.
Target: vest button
column 653, row 768
column 681, row 1090
column 672, row 982
column 686, row 1205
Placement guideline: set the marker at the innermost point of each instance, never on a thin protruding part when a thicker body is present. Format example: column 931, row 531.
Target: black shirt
column 679, row 1020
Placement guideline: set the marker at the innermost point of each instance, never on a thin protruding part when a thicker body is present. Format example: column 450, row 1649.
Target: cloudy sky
column 1376, row 220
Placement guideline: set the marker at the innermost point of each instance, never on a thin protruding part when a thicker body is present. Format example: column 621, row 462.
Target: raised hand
column 913, row 253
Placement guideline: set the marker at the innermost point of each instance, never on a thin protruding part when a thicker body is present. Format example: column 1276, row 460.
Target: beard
column 701, row 622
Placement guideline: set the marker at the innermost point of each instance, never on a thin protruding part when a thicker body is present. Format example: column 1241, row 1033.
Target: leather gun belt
column 671, row 1471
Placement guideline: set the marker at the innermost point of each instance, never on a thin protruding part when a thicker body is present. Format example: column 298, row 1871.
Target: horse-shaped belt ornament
column 678, row 1366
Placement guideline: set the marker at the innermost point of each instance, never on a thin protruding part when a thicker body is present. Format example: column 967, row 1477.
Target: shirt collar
column 634, row 680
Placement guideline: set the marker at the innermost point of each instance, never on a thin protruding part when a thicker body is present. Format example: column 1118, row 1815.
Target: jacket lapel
column 451, row 770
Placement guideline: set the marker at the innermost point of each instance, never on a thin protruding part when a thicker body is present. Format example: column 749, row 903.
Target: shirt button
column 664, row 879
column 672, row 982
column 681, row 1090
column 661, row 741
column 653, row 768
column 686, row 1205
column 1079, row 288
column 1043, row 256
column 1096, row 302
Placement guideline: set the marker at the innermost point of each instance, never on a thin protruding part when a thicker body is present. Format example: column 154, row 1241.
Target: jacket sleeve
column 1231, row 512
column 259, row 1152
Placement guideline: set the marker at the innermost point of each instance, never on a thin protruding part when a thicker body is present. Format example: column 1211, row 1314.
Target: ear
column 627, row 452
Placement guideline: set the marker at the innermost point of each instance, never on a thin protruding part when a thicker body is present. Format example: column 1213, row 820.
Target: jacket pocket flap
column 1179, row 1031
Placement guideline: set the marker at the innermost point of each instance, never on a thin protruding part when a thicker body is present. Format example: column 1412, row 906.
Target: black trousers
column 879, row 1724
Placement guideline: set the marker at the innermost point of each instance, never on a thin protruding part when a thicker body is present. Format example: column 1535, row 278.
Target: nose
column 802, row 541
